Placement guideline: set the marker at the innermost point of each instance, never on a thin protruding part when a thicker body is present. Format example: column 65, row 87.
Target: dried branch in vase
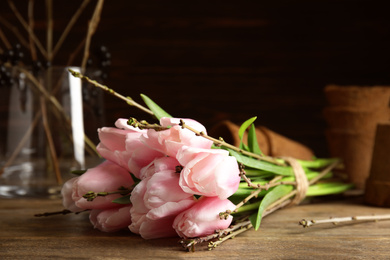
column 29, row 69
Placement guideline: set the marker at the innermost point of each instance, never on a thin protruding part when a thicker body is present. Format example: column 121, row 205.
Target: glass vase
column 48, row 130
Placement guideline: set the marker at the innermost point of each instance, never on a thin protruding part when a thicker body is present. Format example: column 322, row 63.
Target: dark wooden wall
column 214, row 60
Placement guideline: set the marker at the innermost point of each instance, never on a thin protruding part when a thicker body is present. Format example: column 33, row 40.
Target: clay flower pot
column 358, row 96
column 355, row 119
column 355, row 149
column 352, row 117
column 378, row 184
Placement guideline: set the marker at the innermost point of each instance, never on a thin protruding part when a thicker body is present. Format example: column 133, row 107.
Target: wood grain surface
column 23, row 236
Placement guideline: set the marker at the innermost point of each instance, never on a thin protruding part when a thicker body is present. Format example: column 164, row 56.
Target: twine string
column 302, row 184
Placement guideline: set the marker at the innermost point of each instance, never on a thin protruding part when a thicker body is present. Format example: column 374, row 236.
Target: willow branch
column 15, row 31
column 252, row 195
column 266, row 186
column 49, row 32
column 324, row 172
column 91, row 31
column 128, row 100
column 225, row 234
column 62, row 212
column 311, row 182
column 22, row 142
column 258, row 188
column 55, row 103
column 4, row 39
column 190, row 243
column 31, row 26
column 69, row 27
column 232, row 234
column 75, row 53
column 27, row 28
column 50, row 141
column 220, row 142
column 307, row 223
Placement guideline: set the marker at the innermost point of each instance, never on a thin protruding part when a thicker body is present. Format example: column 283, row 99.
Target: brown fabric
column 270, row 142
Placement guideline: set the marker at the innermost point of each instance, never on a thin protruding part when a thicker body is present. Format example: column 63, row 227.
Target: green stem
column 91, row 195
column 128, row 100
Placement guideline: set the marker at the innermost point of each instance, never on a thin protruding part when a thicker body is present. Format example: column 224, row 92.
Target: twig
column 15, row 31
column 220, row 142
column 4, row 39
column 252, row 195
column 75, row 53
column 69, row 27
column 62, row 212
column 266, row 186
column 22, row 142
column 91, row 147
column 31, row 25
column 49, row 32
column 28, row 29
column 128, row 100
column 311, row 182
column 50, row 142
column 231, row 235
column 55, row 103
column 91, row 30
column 307, row 223
column 258, row 188
column 285, row 200
column 91, row 195
column 191, row 242
column 324, row 172
column 225, row 234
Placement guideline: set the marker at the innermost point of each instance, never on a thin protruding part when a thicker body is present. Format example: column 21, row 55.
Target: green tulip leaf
column 242, row 130
column 272, row 196
column 262, row 165
column 78, row 172
column 253, row 144
column 156, row 109
column 122, row 200
column 321, row 189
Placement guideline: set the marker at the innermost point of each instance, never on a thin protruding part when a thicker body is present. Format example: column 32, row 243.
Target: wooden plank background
column 213, row 60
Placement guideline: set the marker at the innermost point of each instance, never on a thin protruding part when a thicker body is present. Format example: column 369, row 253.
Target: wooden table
column 23, row 236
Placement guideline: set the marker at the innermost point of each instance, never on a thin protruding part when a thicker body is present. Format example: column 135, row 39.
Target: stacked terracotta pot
column 377, row 191
column 352, row 116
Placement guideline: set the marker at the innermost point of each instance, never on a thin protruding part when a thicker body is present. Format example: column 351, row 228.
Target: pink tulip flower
column 114, row 142
column 142, row 156
column 123, row 146
column 171, row 140
column 203, row 218
column 111, row 220
column 66, row 194
column 106, row 177
column 158, row 165
column 208, row 172
column 156, row 202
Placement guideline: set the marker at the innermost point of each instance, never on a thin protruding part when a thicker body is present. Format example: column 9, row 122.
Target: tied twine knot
column 302, row 184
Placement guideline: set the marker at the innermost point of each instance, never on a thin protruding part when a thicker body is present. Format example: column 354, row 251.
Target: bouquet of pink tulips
column 172, row 179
